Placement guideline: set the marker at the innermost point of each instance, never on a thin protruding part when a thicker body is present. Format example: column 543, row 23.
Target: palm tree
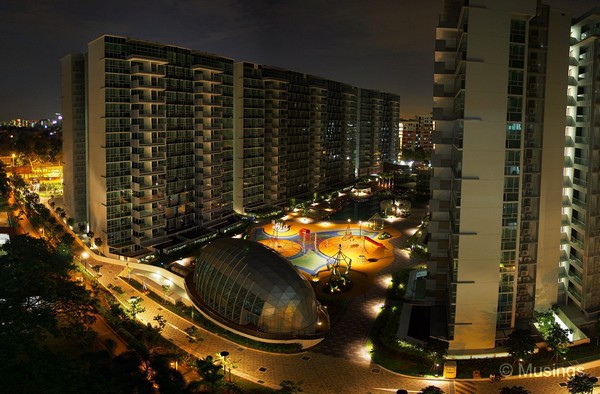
column 514, row 390
column 432, row 390
column 209, row 372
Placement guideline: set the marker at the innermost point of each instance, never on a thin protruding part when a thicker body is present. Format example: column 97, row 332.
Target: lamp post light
column 224, row 355
column 84, row 257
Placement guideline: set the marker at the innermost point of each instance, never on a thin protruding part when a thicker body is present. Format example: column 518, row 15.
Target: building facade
column 497, row 184
column 580, row 247
column 74, row 136
column 416, row 133
column 174, row 141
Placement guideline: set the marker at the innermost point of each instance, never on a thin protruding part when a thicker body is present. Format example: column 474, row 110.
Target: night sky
column 377, row 44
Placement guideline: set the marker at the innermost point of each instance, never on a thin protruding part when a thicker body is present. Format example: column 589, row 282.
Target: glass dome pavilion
column 249, row 288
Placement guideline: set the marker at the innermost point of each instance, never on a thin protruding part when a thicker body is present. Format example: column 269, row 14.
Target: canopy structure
column 376, row 222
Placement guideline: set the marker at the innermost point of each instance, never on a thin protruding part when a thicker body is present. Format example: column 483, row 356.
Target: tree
column 436, row 350
column 209, row 372
column 70, row 222
column 166, row 378
column 135, row 306
column 19, row 186
column 545, row 321
column 432, row 390
column 98, row 242
column 290, row 387
column 581, row 383
column 161, row 322
column 41, row 304
column 5, row 186
column 165, row 290
column 520, row 344
column 514, row 390
column 558, row 339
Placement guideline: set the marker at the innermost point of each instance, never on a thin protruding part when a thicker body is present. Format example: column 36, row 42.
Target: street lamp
column 224, row 355
column 84, row 257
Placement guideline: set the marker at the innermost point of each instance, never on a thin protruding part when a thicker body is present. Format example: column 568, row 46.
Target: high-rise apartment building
column 497, row 182
column 580, row 247
column 74, row 136
column 416, row 133
column 174, row 141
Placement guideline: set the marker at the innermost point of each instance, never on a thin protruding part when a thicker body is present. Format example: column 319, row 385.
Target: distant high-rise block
column 497, row 181
column 416, row 133
column 175, row 141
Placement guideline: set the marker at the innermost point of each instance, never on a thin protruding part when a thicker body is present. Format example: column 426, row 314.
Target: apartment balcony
column 140, row 186
column 206, row 102
column 211, row 90
column 148, row 157
column 580, row 161
column 141, row 84
column 157, row 71
column 147, row 199
column 580, row 182
column 142, row 99
column 140, row 227
column 212, row 79
column 581, row 140
column 138, row 113
column 206, row 113
column 578, row 223
column 576, row 262
column 577, row 281
column 140, row 214
column 578, row 243
column 442, row 69
column 579, row 203
column 136, row 128
column 157, row 170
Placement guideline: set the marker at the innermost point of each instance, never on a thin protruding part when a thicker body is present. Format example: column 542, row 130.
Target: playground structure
column 339, row 264
column 313, row 247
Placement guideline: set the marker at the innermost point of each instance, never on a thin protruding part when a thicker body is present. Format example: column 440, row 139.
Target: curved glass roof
column 250, row 285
